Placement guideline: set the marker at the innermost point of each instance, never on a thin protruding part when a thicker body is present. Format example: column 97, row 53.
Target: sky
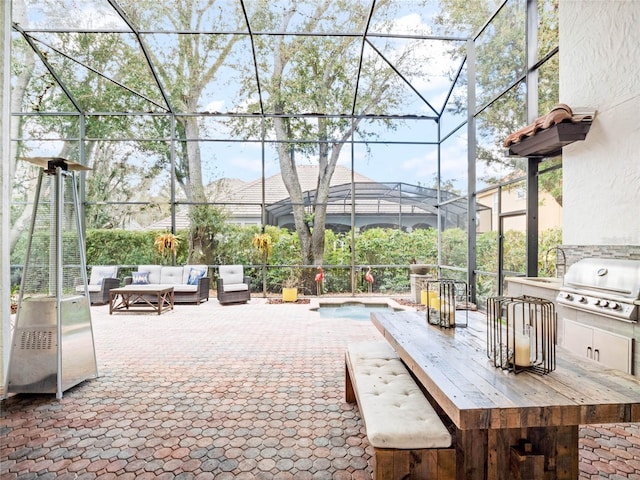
column 415, row 164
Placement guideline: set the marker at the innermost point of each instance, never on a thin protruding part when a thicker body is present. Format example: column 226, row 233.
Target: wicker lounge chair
column 102, row 279
column 233, row 286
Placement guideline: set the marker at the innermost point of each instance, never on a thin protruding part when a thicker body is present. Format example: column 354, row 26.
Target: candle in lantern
column 449, row 313
column 432, row 299
column 433, row 314
column 523, row 350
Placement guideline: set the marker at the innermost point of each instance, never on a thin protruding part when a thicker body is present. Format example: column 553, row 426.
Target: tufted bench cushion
column 394, row 410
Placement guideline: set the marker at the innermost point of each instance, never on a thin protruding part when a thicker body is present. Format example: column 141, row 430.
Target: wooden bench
column 408, row 437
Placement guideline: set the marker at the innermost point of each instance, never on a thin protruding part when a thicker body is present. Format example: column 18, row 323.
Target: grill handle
column 592, row 287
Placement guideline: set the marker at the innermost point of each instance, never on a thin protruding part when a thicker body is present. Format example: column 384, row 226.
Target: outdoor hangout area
column 255, row 390
column 304, row 239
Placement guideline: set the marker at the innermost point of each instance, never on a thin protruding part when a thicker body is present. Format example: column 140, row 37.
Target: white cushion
column 154, row 272
column 90, row 288
column 231, row 274
column 179, row 287
column 395, row 411
column 100, row 272
column 171, row 275
column 235, row 287
column 148, row 286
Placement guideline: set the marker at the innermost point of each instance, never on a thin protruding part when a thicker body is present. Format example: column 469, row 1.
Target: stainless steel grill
column 608, row 287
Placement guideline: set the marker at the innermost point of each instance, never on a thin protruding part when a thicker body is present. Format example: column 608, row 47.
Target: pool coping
column 317, row 302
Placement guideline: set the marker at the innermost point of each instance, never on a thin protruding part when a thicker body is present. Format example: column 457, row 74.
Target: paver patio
column 211, row 391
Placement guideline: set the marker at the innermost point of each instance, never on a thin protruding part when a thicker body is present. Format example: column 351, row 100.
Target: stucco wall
column 600, row 68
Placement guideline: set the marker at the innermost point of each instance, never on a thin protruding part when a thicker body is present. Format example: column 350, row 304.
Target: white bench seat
column 396, row 414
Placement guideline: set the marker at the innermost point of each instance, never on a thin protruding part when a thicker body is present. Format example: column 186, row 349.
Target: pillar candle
column 522, row 350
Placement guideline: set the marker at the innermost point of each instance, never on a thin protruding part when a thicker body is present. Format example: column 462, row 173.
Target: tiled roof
column 559, row 113
column 242, row 201
column 546, row 136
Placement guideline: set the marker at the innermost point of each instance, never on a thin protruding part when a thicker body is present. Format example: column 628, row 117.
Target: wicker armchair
column 233, row 286
column 102, row 279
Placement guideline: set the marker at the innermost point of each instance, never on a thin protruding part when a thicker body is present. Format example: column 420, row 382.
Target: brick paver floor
column 211, row 391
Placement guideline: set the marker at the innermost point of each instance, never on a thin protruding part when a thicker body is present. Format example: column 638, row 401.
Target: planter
column 289, row 294
column 419, row 268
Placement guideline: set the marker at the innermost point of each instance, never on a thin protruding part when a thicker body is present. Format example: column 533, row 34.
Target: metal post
column 471, row 169
column 532, row 114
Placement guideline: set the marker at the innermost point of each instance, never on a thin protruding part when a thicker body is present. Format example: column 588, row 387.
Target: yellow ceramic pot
column 289, row 294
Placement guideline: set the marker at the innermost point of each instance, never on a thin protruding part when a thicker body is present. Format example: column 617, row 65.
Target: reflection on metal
column 52, row 347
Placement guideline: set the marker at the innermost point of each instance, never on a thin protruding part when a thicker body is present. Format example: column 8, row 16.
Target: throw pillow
column 140, row 278
column 194, row 276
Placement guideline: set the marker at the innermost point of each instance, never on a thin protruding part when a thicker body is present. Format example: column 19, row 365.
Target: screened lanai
column 175, row 106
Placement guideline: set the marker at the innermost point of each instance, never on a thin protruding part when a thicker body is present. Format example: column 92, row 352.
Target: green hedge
column 376, row 246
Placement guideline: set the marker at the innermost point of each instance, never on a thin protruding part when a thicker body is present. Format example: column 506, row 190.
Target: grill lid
column 605, row 276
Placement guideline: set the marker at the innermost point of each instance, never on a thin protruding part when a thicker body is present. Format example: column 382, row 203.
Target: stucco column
column 599, row 69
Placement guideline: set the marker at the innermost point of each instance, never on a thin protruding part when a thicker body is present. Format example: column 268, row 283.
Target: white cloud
column 214, row 106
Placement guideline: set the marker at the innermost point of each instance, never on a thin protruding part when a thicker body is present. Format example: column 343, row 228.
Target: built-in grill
column 608, row 287
column 597, row 309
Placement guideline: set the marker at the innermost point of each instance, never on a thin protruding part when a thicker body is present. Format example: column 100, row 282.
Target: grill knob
column 604, row 303
column 582, row 300
column 566, row 296
column 615, row 306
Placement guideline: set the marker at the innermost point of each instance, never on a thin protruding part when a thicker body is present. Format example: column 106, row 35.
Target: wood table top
column 453, row 366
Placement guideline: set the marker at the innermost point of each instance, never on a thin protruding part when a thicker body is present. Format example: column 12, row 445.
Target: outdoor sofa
column 190, row 282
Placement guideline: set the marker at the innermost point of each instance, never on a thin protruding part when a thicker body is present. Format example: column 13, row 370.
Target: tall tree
column 186, row 65
column 316, row 75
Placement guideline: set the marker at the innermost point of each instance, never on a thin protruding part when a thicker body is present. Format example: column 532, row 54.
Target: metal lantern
column 443, row 296
column 521, row 334
column 52, row 348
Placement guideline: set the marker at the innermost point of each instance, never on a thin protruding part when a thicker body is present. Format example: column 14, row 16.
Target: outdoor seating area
column 400, row 211
column 408, row 437
column 262, row 398
column 190, row 283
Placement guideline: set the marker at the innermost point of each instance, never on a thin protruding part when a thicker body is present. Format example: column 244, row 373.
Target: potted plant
column 166, row 244
column 290, row 286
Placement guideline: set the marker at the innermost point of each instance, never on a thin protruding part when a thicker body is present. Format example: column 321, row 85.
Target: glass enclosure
column 353, row 136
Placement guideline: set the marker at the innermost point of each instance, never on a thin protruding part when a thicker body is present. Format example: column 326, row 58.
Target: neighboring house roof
column 375, row 201
column 241, row 199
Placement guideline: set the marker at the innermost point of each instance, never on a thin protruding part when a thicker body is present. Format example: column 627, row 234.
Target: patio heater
column 52, row 348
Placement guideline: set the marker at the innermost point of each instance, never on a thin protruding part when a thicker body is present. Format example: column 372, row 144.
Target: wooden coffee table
column 140, row 298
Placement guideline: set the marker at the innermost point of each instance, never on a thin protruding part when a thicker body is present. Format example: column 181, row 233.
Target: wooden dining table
column 508, row 425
